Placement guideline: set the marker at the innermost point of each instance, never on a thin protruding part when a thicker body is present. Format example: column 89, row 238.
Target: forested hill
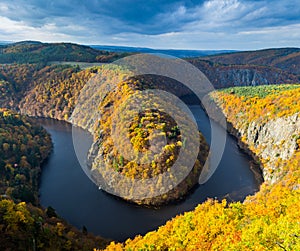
column 272, row 66
column 23, row 225
column 286, row 59
column 261, row 67
column 37, row 52
column 228, row 75
column 264, row 222
column 23, row 147
column 267, row 120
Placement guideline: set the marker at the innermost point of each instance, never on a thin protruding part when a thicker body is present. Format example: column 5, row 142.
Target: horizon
column 180, row 25
column 147, row 48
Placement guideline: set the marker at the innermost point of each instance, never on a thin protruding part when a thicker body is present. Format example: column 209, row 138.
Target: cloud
column 18, row 30
column 209, row 24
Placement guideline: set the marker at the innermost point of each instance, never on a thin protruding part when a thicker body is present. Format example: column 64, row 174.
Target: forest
column 23, row 147
column 37, row 52
column 24, row 225
column 152, row 123
column 268, row 220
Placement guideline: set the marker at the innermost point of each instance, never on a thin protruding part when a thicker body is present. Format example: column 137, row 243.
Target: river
column 65, row 186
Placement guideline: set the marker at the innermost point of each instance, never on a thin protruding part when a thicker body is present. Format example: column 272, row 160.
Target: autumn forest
column 258, row 92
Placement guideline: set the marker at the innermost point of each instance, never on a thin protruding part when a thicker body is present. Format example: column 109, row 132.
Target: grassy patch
column 259, row 91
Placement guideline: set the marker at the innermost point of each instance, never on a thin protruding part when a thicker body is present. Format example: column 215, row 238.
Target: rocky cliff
column 222, row 76
column 273, row 140
column 286, row 59
column 268, row 220
column 268, row 128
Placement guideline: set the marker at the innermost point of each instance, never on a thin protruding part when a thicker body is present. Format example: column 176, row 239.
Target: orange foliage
column 269, row 220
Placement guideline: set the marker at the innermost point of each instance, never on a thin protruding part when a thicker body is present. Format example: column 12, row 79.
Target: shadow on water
column 65, row 186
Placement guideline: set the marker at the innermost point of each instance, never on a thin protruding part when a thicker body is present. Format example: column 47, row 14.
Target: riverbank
column 25, row 146
column 264, row 119
column 269, row 220
column 215, row 113
column 114, row 218
column 255, row 164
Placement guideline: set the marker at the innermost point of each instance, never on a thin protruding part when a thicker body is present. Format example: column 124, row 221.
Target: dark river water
column 65, row 186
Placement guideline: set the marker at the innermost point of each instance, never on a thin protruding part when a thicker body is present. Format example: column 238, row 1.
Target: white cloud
column 222, row 10
column 18, row 30
column 286, row 31
column 212, row 24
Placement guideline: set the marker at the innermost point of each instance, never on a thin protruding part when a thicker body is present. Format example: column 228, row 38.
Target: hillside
column 52, row 91
column 222, row 76
column 286, row 59
column 172, row 52
column 37, row 52
column 123, row 135
column 273, row 117
column 47, row 91
column 268, row 220
column 257, row 115
column 17, row 79
column 23, row 225
column 23, row 147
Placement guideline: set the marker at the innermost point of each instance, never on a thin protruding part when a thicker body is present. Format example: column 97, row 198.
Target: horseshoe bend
column 137, row 140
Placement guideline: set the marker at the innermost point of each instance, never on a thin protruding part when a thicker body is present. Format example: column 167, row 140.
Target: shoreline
column 254, row 162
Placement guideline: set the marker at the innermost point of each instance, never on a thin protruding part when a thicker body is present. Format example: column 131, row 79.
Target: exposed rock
column 222, row 76
column 275, row 139
column 272, row 140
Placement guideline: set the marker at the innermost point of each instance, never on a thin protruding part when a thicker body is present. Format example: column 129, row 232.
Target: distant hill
column 37, row 52
column 5, row 42
column 172, row 52
column 287, row 59
column 271, row 66
column 228, row 75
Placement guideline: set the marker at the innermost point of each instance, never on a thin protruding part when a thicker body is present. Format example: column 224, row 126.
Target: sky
column 202, row 25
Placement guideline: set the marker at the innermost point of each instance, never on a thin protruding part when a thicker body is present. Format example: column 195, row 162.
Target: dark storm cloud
column 149, row 23
column 112, row 16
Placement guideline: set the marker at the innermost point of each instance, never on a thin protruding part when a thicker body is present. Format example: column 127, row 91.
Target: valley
column 264, row 119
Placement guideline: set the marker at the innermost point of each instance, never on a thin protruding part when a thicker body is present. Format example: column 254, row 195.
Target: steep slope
column 52, row 91
column 122, row 157
column 222, row 76
column 46, row 91
column 286, row 59
column 24, row 145
column 269, row 220
column 271, row 129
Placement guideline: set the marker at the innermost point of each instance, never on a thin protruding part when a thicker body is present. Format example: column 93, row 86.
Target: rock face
column 271, row 141
column 267, row 141
column 244, row 77
column 286, row 59
column 222, row 76
column 274, row 139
